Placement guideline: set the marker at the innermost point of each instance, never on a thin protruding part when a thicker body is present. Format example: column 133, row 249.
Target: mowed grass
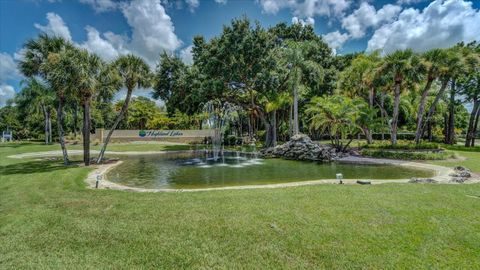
column 49, row 219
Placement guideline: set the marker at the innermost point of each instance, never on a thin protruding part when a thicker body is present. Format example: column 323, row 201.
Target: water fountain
column 219, row 117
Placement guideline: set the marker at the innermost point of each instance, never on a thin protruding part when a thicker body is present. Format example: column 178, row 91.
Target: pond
column 190, row 171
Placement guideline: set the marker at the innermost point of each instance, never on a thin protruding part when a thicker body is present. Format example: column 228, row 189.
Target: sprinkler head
column 340, row 178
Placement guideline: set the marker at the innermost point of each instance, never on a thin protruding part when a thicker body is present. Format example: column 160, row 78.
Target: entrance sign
column 160, row 133
column 185, row 136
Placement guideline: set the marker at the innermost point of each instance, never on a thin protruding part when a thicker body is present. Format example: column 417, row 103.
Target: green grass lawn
column 49, row 219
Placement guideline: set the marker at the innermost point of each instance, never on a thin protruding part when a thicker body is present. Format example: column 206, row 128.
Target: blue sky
column 147, row 27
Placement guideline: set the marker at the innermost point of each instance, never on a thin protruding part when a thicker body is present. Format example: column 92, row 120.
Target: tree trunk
column 60, row 130
column 115, row 124
column 49, row 118
column 268, row 133
column 471, row 123
column 290, row 121
column 46, row 122
column 295, row 111
column 382, row 110
column 396, row 105
column 445, row 128
column 274, row 128
column 368, row 135
column 86, row 131
column 451, row 116
column 475, row 127
column 421, row 110
column 367, row 131
column 75, row 120
column 252, row 120
column 371, row 96
column 431, row 111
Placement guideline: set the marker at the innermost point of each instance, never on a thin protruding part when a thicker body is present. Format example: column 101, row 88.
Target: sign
column 183, row 136
column 160, row 133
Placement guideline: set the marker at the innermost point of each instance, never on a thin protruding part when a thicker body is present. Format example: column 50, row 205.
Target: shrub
column 403, row 145
column 405, row 155
column 230, row 140
column 462, row 148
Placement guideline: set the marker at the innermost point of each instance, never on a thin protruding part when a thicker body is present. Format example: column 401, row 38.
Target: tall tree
column 134, row 73
column 434, row 61
column 233, row 63
column 360, row 79
column 402, row 66
column 466, row 64
column 469, row 86
column 36, row 97
column 41, row 59
column 300, row 71
column 86, row 69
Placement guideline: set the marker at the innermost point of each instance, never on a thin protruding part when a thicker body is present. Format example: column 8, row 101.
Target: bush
column 405, row 155
column 462, row 148
column 230, row 140
column 403, row 145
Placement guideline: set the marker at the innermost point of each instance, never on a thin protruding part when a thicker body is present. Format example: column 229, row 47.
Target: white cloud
column 6, row 92
column 409, row 2
column 152, row 33
column 366, row 16
column 56, row 26
column 8, row 68
column 307, row 21
column 441, row 24
column 223, row 2
column 108, row 48
column 100, row 5
column 142, row 92
column 186, row 55
column 307, row 8
column 192, row 4
column 152, row 28
column 335, row 40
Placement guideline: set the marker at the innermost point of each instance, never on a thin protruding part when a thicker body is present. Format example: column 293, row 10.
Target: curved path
column 441, row 172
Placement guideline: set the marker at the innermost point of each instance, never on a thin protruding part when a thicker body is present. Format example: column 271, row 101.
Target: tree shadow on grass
column 15, row 144
column 35, row 166
column 176, row 147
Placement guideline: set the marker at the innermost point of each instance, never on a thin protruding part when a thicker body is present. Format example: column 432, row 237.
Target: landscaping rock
column 301, row 147
column 422, row 180
column 458, row 180
column 461, row 172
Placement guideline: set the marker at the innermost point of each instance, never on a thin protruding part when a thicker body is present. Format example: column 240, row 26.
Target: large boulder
column 460, row 174
column 301, row 147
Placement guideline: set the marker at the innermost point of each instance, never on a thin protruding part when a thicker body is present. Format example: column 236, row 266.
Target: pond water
column 189, row 171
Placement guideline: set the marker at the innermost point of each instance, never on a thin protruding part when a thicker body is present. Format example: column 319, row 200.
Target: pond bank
column 441, row 172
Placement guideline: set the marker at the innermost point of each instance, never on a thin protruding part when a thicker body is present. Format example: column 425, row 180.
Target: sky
column 147, row 27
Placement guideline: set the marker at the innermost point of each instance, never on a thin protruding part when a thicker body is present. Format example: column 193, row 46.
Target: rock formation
column 460, row 174
column 301, row 147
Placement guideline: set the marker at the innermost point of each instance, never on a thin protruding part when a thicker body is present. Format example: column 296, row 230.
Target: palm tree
column 37, row 97
column 402, row 66
column 86, row 69
column 300, row 68
column 469, row 86
column 338, row 116
column 434, row 61
column 41, row 59
column 361, row 79
column 134, row 72
column 275, row 102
